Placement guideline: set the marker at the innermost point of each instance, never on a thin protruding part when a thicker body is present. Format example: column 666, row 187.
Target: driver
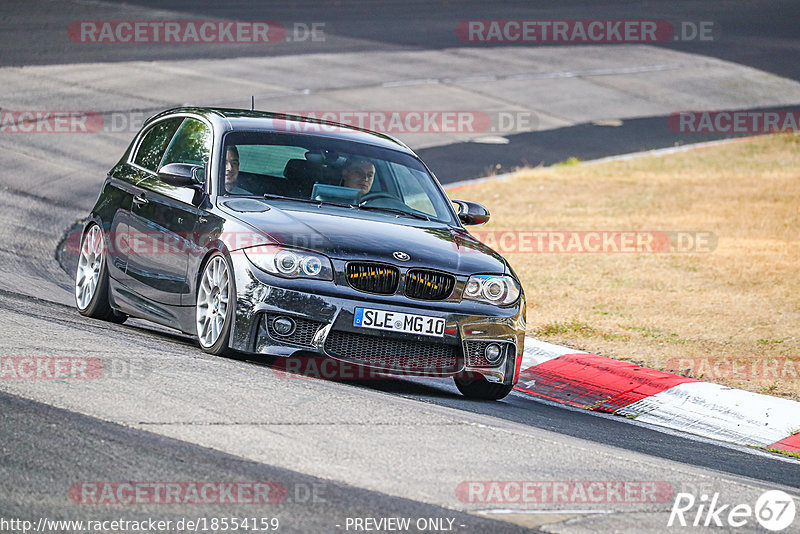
column 358, row 174
column 232, row 172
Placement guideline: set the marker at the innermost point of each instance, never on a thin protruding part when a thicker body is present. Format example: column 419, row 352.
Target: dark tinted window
column 192, row 144
column 303, row 167
column 155, row 142
column 267, row 159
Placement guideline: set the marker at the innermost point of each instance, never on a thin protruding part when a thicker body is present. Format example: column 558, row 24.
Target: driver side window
column 191, row 144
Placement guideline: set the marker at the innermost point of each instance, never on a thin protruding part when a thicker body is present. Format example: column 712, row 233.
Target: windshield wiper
column 271, row 196
column 397, row 211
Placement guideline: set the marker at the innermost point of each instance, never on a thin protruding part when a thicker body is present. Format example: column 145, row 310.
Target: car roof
column 231, row 119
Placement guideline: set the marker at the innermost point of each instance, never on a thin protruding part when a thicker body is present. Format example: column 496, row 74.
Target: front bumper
column 323, row 312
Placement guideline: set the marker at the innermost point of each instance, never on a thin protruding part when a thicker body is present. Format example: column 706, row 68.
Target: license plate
column 408, row 323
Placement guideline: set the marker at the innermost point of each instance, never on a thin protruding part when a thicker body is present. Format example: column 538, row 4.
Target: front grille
column 399, row 356
column 373, row 277
column 475, row 353
column 428, row 285
column 303, row 334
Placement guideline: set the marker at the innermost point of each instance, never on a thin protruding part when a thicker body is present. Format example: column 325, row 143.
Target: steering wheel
column 372, row 196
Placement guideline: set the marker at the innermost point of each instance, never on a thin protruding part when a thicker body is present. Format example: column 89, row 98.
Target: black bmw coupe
column 282, row 235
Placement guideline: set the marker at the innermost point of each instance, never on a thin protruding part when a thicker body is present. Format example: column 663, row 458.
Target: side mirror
column 470, row 213
column 182, row 174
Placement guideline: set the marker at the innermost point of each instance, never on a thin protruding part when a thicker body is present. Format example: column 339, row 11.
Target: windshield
column 317, row 169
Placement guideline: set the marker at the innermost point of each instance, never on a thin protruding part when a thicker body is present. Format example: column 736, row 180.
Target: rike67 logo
column 774, row 510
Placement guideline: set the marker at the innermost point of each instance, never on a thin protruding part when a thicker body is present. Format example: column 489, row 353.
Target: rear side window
column 154, row 142
column 192, row 144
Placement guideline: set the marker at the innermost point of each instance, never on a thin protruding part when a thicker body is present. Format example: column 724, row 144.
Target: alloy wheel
column 213, row 297
column 90, row 262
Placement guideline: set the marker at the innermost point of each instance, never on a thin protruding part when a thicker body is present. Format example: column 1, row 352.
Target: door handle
column 140, row 200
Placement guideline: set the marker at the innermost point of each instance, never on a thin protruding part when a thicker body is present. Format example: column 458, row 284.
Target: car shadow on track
column 310, row 366
column 293, row 368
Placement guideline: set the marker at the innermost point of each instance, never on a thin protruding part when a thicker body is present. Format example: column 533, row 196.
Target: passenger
column 232, row 172
column 358, row 174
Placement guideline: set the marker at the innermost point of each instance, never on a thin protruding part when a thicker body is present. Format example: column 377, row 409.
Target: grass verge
column 728, row 313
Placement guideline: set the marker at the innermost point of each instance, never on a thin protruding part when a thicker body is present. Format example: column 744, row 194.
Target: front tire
column 91, row 278
column 481, row 389
column 215, row 305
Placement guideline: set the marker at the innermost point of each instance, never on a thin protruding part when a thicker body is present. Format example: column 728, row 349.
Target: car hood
column 348, row 234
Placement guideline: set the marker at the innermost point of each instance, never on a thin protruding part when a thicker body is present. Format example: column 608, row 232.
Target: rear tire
column 91, row 278
column 481, row 389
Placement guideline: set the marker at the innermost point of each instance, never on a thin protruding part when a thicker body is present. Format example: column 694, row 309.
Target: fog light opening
column 493, row 353
column 283, row 326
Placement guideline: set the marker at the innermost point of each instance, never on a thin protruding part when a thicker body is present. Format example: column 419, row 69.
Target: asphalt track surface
column 374, row 448
column 307, row 504
column 759, row 34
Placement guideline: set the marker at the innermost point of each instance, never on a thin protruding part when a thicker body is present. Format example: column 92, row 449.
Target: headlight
column 494, row 289
column 290, row 263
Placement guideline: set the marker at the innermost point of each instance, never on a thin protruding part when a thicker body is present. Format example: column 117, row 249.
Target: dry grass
column 740, row 302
